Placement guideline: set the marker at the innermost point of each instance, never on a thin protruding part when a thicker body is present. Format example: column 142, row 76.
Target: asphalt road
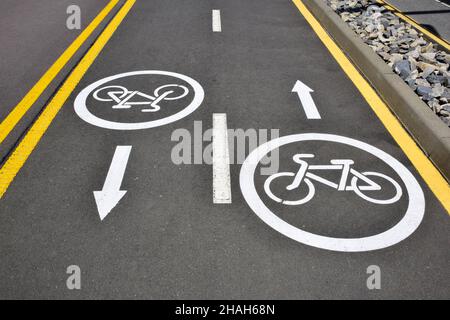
column 166, row 238
column 431, row 14
column 33, row 36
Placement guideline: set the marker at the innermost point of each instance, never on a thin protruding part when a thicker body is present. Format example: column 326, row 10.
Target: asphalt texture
column 431, row 14
column 166, row 239
column 33, row 36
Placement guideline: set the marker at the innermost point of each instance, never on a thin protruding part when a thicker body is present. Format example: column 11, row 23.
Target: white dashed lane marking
column 216, row 21
column 221, row 160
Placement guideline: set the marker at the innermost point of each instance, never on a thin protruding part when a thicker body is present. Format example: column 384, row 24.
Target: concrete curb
column 430, row 133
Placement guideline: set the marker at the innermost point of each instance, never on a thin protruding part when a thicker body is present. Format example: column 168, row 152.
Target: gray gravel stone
column 437, row 91
column 424, row 91
column 403, row 68
column 417, row 60
column 423, row 83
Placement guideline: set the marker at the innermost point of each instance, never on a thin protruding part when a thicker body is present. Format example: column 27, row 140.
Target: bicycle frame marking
column 305, row 175
column 342, row 185
column 122, row 96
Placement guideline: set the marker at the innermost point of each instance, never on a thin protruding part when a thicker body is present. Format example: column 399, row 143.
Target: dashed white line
column 221, row 160
column 216, row 21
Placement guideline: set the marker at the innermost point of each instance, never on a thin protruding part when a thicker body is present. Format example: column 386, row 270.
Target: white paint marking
column 84, row 113
column 221, row 160
column 402, row 230
column 448, row 6
column 216, row 21
column 111, row 194
column 304, row 94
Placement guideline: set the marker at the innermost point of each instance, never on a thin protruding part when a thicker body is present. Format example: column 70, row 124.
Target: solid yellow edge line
column 424, row 166
column 31, row 139
column 30, row 98
column 410, row 20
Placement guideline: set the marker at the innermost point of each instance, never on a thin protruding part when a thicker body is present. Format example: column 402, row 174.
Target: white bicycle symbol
column 305, row 175
column 123, row 97
column 360, row 183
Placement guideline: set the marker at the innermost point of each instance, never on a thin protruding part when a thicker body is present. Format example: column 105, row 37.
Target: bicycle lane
column 277, row 50
column 165, row 238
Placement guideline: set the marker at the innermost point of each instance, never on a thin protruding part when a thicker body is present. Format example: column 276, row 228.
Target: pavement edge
column 429, row 132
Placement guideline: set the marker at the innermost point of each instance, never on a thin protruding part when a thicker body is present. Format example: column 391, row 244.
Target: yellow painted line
column 416, row 25
column 33, row 136
column 424, row 166
column 30, row 98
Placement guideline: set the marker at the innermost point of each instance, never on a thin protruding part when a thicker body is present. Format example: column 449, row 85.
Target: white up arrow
column 304, row 93
column 111, row 194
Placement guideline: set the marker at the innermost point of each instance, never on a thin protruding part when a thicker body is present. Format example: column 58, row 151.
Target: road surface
column 168, row 237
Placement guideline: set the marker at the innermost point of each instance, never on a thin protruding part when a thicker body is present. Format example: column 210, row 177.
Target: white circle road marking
column 409, row 223
column 83, row 112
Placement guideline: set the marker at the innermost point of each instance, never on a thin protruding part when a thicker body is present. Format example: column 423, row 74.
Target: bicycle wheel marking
column 403, row 229
column 120, row 96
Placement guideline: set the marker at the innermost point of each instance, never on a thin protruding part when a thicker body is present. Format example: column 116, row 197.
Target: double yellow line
column 19, row 156
column 30, row 98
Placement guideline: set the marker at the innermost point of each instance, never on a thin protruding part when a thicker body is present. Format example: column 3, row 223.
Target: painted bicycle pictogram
column 350, row 180
column 185, row 93
column 122, row 98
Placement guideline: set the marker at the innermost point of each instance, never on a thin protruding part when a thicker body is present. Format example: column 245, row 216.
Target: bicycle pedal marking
column 123, row 98
column 349, row 182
